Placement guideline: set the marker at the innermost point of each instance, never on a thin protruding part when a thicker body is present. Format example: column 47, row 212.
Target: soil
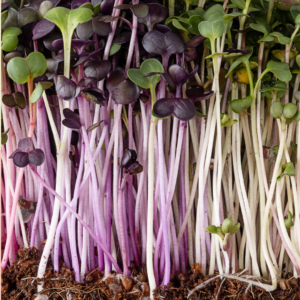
column 19, row 281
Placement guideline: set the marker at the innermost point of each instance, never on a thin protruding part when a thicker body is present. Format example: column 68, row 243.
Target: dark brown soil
column 19, row 282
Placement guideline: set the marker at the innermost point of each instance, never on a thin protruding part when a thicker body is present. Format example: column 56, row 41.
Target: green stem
column 270, row 10
column 171, row 8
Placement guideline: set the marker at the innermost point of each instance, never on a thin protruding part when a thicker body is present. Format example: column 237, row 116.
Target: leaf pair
column 288, row 111
column 10, row 38
column 149, row 66
column 21, row 70
column 227, row 228
column 213, row 25
column 21, row 158
column 122, row 90
column 183, row 109
column 164, row 44
column 129, row 162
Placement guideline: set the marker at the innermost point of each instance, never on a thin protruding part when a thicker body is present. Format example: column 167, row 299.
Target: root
column 240, row 277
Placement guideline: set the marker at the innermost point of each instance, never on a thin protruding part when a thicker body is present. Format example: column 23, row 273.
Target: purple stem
column 164, row 223
column 63, row 202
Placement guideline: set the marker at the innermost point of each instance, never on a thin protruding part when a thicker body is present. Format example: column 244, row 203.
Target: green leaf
column 193, row 24
column 276, row 109
column 216, row 54
column 252, row 9
column 239, row 3
column 148, row 66
column 228, row 227
column 237, row 62
column 37, row 64
column 288, row 221
column 215, row 230
column 259, row 27
column 278, row 86
column 4, row 137
column 178, row 25
column 21, row 70
column 4, row 17
column 212, row 30
column 297, row 20
column 280, row 38
column 297, row 116
column 280, row 69
column 295, row 11
column 18, row 70
column 198, row 11
column 36, row 94
column 10, row 38
column 287, row 169
column 240, row 104
column 67, row 20
column 289, row 110
column 228, row 17
column 114, row 49
column 226, row 121
column 214, row 13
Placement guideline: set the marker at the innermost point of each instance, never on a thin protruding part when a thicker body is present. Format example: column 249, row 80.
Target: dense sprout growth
column 133, row 132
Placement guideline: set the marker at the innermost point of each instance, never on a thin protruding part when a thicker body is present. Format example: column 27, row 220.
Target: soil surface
column 19, row 282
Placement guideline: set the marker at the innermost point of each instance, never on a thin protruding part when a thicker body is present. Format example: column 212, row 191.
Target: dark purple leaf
column 26, row 37
column 19, row 18
column 85, row 30
column 71, row 120
column 195, row 91
column 190, row 54
column 66, row 88
column 78, row 3
column 122, row 38
column 157, row 13
column 5, row 5
column 94, row 95
column 77, row 45
column 74, row 138
column 99, row 69
column 60, row 56
column 70, row 124
column 21, row 159
column 162, row 28
column 36, row 157
column 168, row 43
column 40, row 78
column 85, row 56
column 24, row 144
column 54, row 35
column 99, row 27
column 13, row 154
column 126, row 92
column 15, row 99
column 116, row 77
column 52, row 65
column 129, row 157
column 108, row 19
column 195, row 41
column 135, row 168
column 179, row 74
column 42, row 28
column 205, row 96
column 87, row 81
column 183, row 109
column 11, row 55
column 106, row 7
column 243, row 51
column 139, row 10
